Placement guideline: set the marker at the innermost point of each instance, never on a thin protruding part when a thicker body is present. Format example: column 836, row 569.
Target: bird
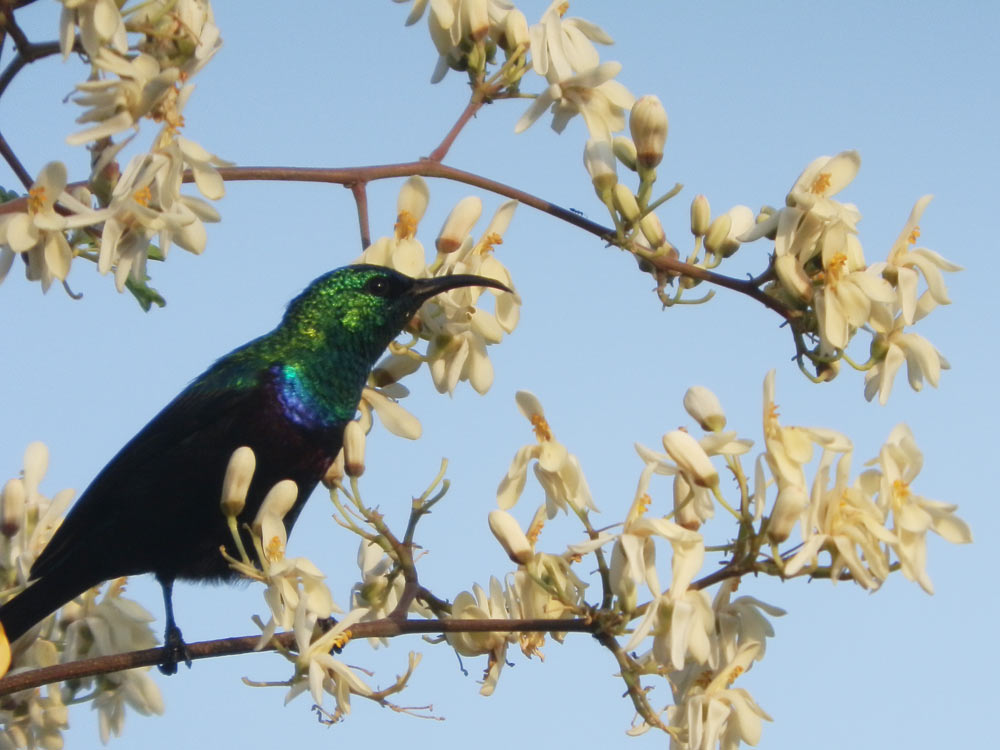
column 288, row 395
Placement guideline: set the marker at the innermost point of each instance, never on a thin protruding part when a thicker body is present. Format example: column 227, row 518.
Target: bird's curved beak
column 424, row 289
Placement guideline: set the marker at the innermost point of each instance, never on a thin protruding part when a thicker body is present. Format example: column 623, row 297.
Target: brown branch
column 475, row 104
column 15, row 164
column 384, row 628
column 428, row 168
column 360, row 193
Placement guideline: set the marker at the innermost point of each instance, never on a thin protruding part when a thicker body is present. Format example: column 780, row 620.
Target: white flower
column 843, row 520
column 100, row 22
column 844, row 302
column 715, row 714
column 913, row 515
column 557, row 470
column 479, row 605
column 561, row 46
column 904, row 266
column 893, row 345
column 39, row 233
column 740, row 621
column 591, row 93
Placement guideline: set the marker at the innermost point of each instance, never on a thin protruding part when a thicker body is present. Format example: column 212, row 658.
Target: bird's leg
column 174, row 647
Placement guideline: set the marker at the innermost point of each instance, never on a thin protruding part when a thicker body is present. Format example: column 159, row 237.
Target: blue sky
column 754, row 91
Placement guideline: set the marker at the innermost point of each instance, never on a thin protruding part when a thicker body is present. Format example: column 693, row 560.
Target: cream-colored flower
column 905, row 266
column 893, row 345
column 913, row 516
column 479, row 605
column 592, row 93
column 100, row 23
column 562, row 46
column 710, row 713
column 40, row 232
column 557, row 470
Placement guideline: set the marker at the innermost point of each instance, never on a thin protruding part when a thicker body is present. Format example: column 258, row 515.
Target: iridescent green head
column 364, row 307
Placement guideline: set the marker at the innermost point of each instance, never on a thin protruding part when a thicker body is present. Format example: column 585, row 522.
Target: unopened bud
column 516, row 29
column 622, row 585
column 354, row 449
column 36, row 463
column 652, row 230
column 626, row 203
column 624, row 150
column 601, row 166
column 236, row 483
column 685, row 513
column 793, row 277
column 278, row 501
column 12, row 510
column 788, row 507
column 508, row 532
column 459, row 223
column 336, row 471
column 715, row 237
column 691, row 458
column 701, row 215
column 704, row 408
column 648, row 124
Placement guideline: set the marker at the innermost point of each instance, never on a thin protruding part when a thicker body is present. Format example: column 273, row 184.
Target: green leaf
column 144, row 294
column 8, row 195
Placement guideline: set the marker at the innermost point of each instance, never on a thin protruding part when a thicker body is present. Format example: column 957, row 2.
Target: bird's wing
column 163, row 464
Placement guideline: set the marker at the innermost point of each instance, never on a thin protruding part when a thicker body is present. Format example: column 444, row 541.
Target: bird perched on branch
column 287, row 395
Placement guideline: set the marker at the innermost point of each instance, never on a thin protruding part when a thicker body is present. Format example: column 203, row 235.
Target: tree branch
column 385, row 628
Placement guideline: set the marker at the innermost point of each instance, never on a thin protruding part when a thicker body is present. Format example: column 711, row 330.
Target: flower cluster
column 455, row 326
column 120, row 214
column 820, row 270
column 91, row 625
column 561, row 50
column 702, row 644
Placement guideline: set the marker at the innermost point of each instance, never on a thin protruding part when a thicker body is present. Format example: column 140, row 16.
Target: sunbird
column 155, row 508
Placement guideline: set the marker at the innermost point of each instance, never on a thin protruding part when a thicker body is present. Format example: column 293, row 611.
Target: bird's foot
column 175, row 651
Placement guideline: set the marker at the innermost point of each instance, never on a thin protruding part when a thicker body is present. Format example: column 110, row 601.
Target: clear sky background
column 754, row 91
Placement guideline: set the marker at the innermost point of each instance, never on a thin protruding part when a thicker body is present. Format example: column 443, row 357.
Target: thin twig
column 360, row 193
column 15, row 164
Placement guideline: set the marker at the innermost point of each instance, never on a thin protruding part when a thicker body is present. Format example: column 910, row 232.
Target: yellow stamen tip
column 541, row 427
column 821, row 184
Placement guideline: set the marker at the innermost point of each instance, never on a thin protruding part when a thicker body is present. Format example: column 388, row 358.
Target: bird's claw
column 175, row 651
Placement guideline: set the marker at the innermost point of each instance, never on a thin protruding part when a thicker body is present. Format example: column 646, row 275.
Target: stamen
column 541, row 427
column 821, row 184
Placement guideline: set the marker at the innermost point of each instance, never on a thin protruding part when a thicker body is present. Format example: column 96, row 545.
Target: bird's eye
column 378, row 285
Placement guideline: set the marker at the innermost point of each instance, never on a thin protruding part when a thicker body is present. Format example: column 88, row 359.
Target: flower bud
column 701, row 215
column 278, row 500
column 648, row 124
column 691, row 458
column 652, row 230
column 717, row 232
column 685, row 513
column 354, row 449
column 622, row 585
column 508, row 532
column 793, row 277
column 459, row 223
column 236, row 484
column 36, row 463
column 601, row 166
column 704, row 408
column 516, row 29
column 624, row 150
column 788, row 507
column 336, row 471
column 12, row 510
column 626, row 203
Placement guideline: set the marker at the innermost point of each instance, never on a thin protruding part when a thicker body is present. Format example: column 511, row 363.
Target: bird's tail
column 41, row 598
